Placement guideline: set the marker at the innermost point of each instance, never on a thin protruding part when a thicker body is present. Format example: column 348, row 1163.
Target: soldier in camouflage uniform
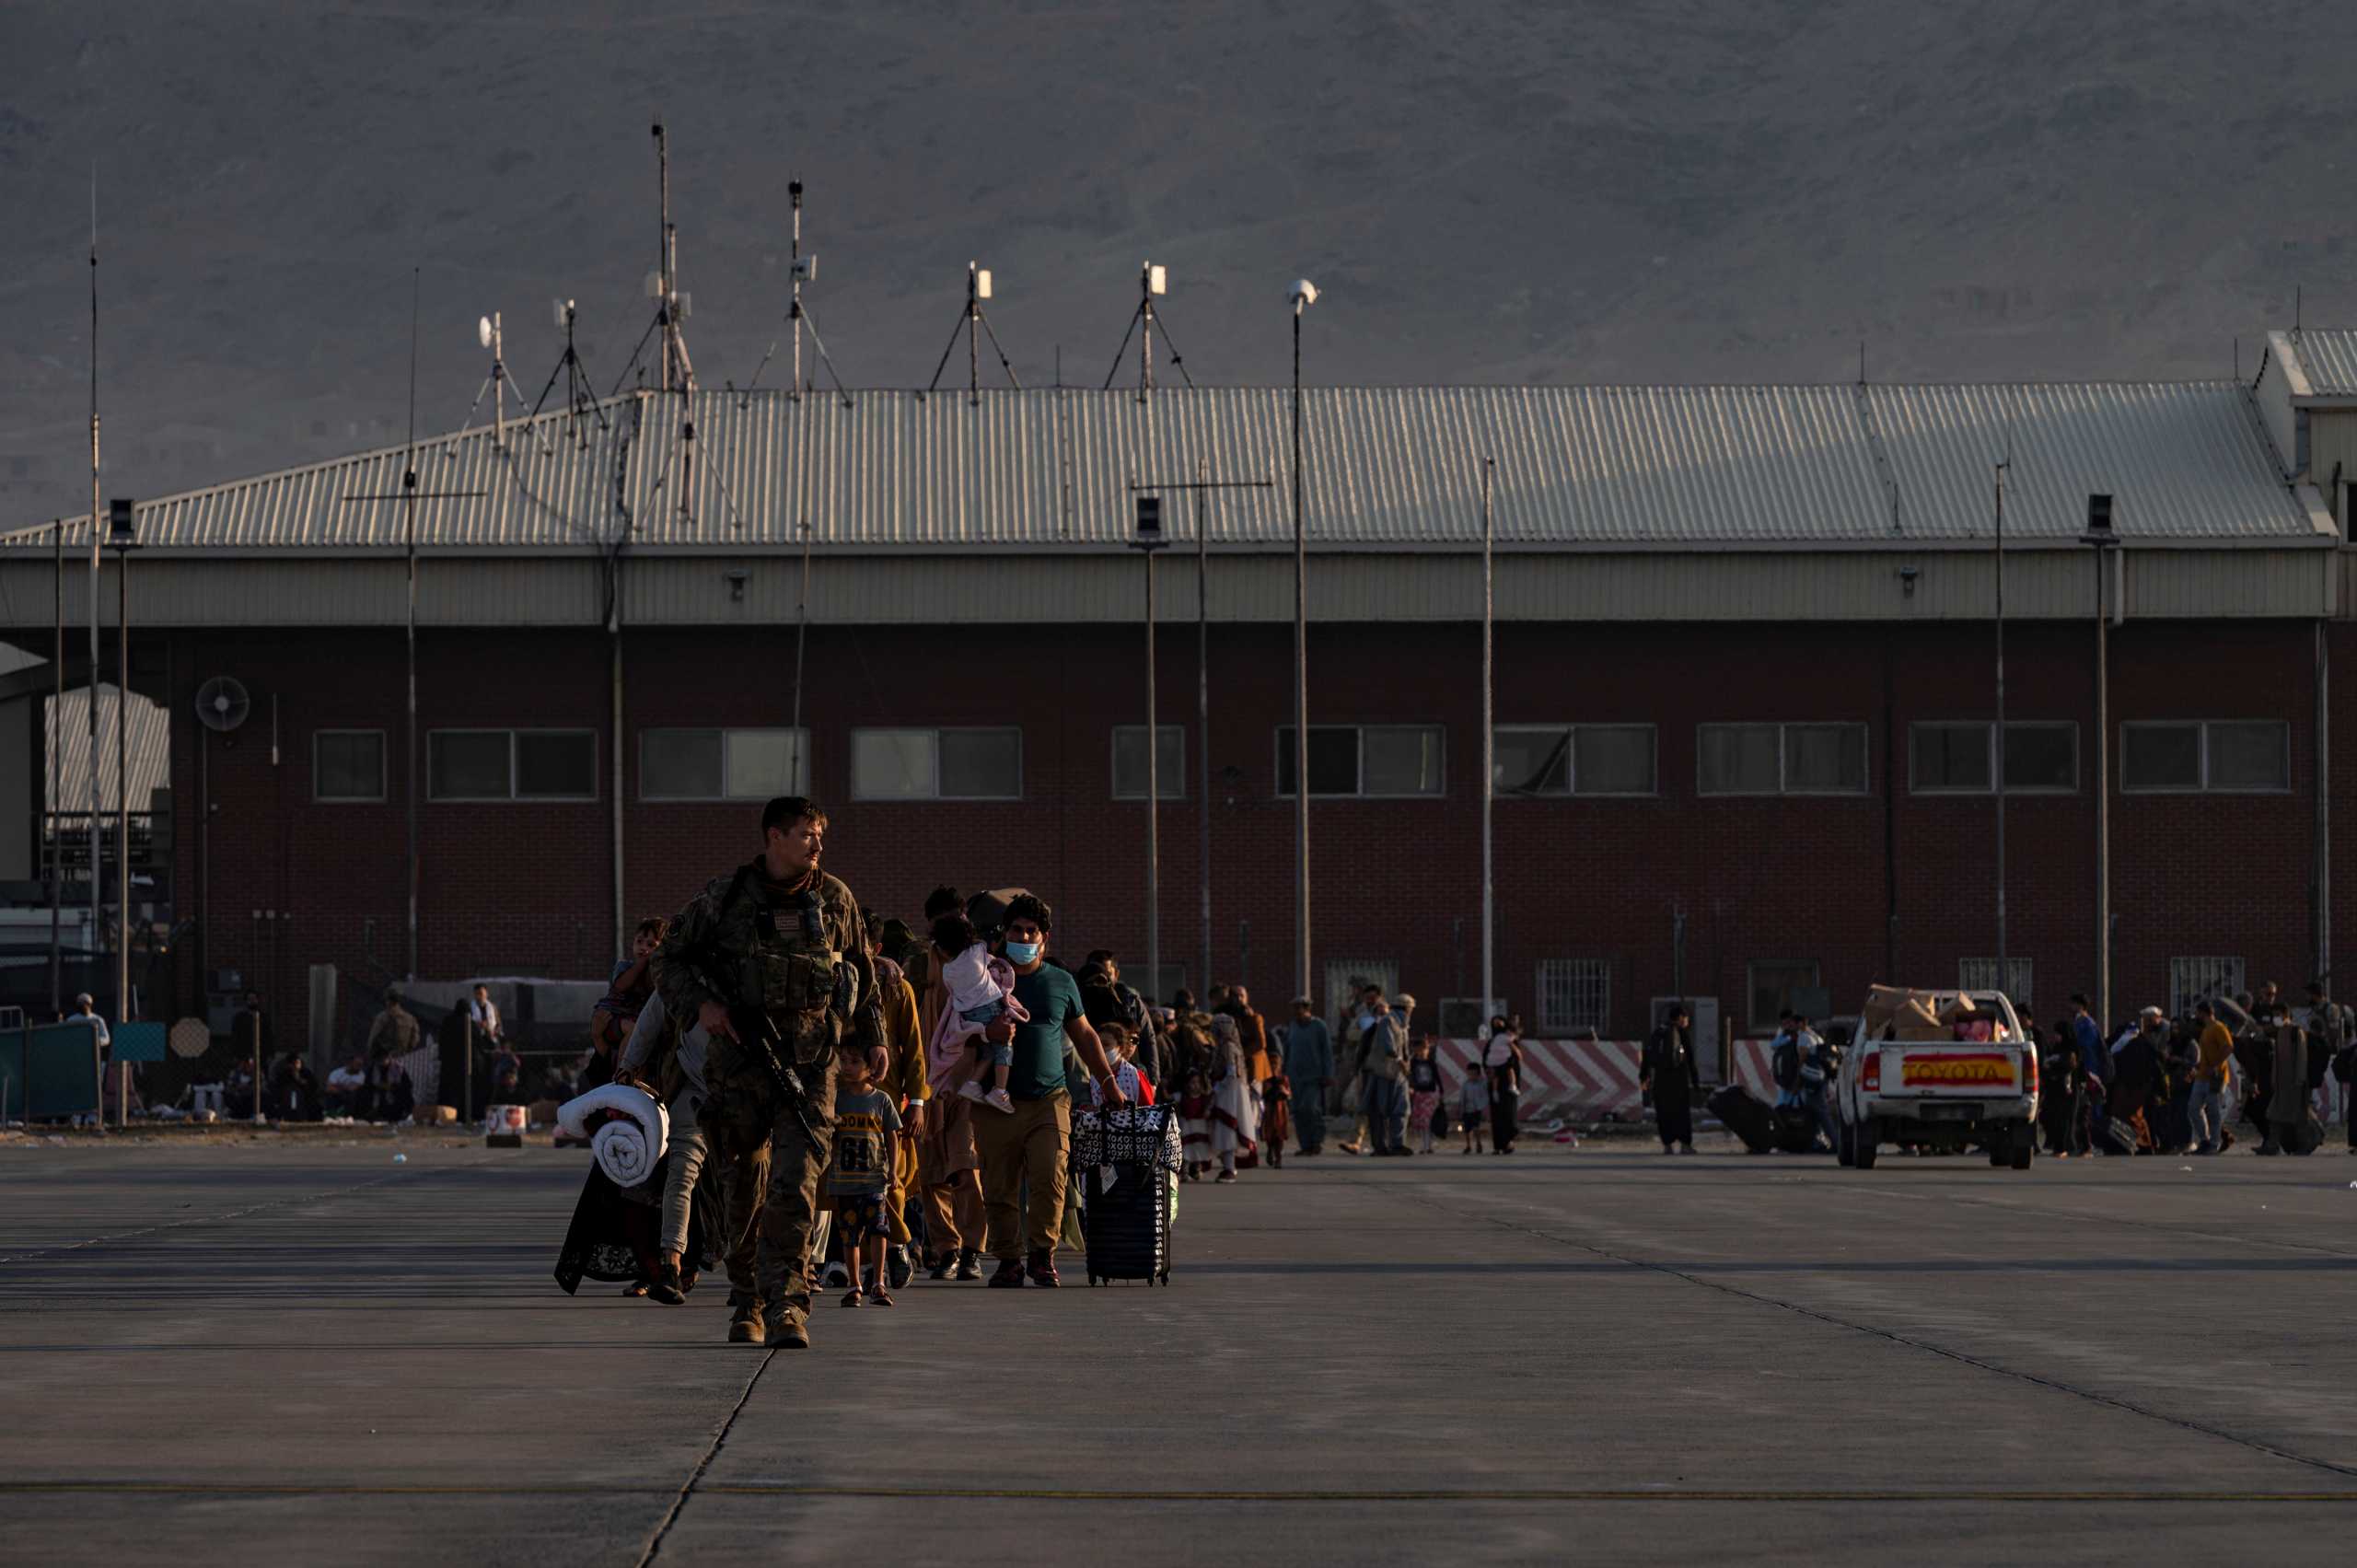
column 775, row 952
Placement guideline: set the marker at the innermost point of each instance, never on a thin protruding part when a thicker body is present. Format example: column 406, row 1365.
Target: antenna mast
column 1152, row 281
column 794, row 311
column 409, row 495
column 806, row 268
column 678, row 371
column 98, row 861
column 971, row 321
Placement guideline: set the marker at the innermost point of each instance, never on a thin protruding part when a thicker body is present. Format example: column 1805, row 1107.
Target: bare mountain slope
column 1671, row 190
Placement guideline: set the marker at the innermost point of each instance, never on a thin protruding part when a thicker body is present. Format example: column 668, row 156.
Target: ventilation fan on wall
column 222, row 704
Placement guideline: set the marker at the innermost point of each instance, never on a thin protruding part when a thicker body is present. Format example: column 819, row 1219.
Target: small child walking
column 1474, row 1108
column 1276, row 1115
column 1423, row 1096
column 859, row 1178
column 981, row 989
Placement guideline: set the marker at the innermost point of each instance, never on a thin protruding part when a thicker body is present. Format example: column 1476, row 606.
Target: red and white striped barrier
column 1755, row 1068
column 1594, row 1079
column 1588, row 1079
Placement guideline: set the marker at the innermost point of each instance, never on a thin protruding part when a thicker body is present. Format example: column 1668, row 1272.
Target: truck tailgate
column 1958, row 1072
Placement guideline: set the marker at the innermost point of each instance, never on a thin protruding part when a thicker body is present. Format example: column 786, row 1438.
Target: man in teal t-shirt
column 1034, row 1141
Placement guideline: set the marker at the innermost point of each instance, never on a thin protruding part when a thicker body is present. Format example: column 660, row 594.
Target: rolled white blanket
column 626, row 1146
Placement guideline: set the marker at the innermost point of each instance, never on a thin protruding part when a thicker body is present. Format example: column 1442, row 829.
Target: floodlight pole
column 122, row 544
column 1203, row 727
column 1998, row 782
column 98, row 851
column 1301, row 300
column 53, row 837
column 1147, row 544
column 1489, row 743
column 2102, row 540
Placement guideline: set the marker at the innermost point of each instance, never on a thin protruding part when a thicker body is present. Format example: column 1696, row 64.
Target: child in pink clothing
column 981, row 990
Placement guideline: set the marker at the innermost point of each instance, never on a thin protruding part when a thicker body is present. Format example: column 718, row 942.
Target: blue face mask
column 1023, row 952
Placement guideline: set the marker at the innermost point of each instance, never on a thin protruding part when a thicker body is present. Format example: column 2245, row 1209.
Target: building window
column 2193, row 979
column 723, row 764
column 348, row 764
column 2222, row 757
column 936, row 764
column 1780, row 759
column 1774, row 984
column 1347, row 979
column 1588, row 758
column 511, row 764
column 1960, row 757
column 1575, row 996
column 1366, row 759
column 1980, row 974
column 1170, row 762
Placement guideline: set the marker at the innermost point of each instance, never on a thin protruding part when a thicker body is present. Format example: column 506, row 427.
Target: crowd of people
column 2159, row 1086
column 853, row 1098
column 2177, row 1086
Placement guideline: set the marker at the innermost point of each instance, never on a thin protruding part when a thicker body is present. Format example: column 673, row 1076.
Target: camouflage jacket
column 734, row 945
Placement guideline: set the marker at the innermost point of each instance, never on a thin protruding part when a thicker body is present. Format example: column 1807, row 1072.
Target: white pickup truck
column 1942, row 1071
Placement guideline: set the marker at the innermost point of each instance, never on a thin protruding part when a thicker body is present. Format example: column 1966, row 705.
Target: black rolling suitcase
column 1746, row 1116
column 1795, row 1130
column 1126, row 1161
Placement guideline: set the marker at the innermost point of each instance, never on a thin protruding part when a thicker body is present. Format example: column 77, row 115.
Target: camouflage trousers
column 776, row 1161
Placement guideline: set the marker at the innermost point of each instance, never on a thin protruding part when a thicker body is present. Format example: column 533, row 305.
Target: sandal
column 636, row 1287
column 880, row 1298
column 851, row 1297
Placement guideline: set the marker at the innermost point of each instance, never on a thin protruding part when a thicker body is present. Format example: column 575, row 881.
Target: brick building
column 1744, row 682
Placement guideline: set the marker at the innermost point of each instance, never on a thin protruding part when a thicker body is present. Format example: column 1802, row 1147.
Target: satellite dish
column 563, row 313
column 482, row 331
column 1304, row 293
column 190, row 1038
column 222, row 704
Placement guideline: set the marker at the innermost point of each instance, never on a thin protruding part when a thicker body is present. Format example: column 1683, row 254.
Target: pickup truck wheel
column 1864, row 1144
column 2024, row 1147
column 1845, row 1145
column 2000, row 1145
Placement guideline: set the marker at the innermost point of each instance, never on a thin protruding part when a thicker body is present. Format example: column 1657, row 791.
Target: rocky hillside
column 1688, row 190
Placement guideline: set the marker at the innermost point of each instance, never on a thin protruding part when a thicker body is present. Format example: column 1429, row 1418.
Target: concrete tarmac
column 235, row 1351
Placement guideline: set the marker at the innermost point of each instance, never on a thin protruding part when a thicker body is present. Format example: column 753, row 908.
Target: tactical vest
column 791, row 971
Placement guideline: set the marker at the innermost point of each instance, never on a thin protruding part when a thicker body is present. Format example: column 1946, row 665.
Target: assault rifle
column 758, row 1034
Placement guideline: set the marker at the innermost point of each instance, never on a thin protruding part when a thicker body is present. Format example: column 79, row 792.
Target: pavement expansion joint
column 1892, row 1336
column 90, row 1241
column 712, row 1451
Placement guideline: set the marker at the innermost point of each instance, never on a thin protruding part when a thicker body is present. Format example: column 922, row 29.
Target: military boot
column 744, row 1325
column 788, row 1330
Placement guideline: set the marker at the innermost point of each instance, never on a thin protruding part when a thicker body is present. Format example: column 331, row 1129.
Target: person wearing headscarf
column 1234, row 1116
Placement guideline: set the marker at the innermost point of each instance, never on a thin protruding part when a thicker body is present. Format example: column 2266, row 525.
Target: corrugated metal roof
column 2182, row 460
column 2329, row 356
column 149, row 744
column 1385, row 468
